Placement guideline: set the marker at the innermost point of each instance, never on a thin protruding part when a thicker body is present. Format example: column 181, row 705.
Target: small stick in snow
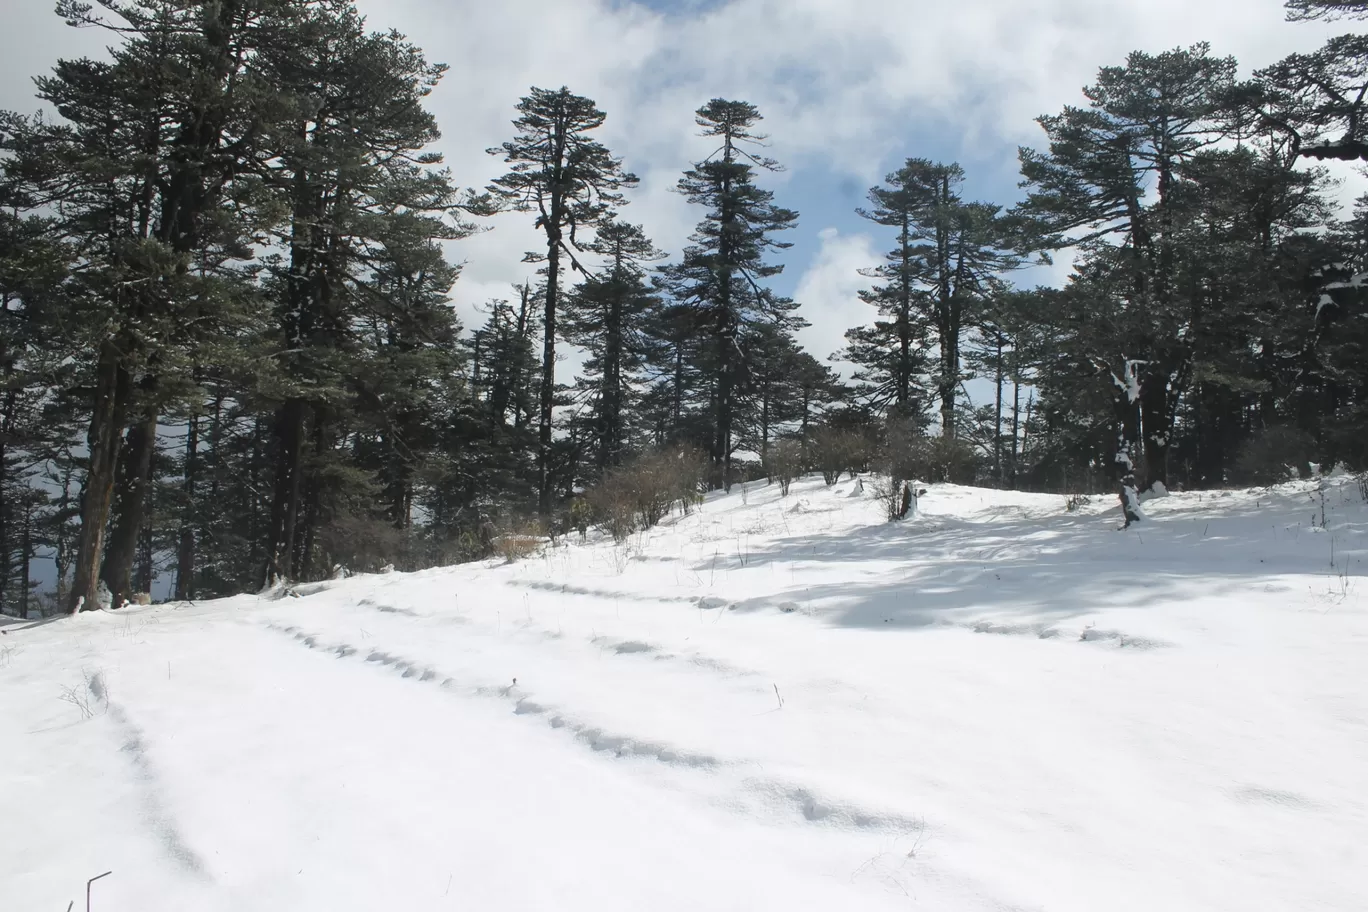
column 777, row 697
column 88, row 885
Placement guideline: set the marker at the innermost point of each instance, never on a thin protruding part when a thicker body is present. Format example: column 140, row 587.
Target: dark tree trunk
column 725, row 391
column 112, row 389
column 134, row 479
column 677, row 406
column 1156, row 419
column 999, row 464
column 185, row 550
column 26, row 561
column 1016, row 417
column 905, row 365
column 548, row 388
column 764, row 420
column 285, row 504
column 145, row 573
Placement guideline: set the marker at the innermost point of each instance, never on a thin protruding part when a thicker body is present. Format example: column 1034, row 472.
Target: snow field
column 772, row 703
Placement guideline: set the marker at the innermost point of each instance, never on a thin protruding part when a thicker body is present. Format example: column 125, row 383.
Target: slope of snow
column 773, row 703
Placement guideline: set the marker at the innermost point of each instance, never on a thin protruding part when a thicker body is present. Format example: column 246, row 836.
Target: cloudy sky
column 848, row 88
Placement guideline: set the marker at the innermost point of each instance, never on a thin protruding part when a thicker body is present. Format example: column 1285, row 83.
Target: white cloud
column 829, row 290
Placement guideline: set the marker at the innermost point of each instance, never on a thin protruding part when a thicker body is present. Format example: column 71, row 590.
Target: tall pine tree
column 572, row 182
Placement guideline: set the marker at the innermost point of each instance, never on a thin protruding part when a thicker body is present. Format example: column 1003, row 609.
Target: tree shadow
column 1023, row 570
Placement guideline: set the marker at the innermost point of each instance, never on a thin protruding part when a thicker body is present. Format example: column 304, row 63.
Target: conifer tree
column 609, row 315
column 720, row 277
column 1143, row 121
column 366, row 204
column 138, row 168
column 572, row 182
column 1301, row 10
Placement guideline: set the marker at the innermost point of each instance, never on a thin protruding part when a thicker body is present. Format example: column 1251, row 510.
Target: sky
column 848, row 89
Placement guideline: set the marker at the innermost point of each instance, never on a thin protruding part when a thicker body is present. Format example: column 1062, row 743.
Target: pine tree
column 572, row 183
column 947, row 256
column 1090, row 190
column 366, row 203
column 719, row 280
column 609, row 315
column 1301, row 10
column 33, row 271
column 139, row 169
column 889, row 353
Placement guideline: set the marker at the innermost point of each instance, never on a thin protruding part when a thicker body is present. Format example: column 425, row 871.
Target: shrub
column 898, row 497
column 1274, row 455
column 363, row 544
column 835, row 451
column 517, row 540
column 516, row 546
column 612, row 504
column 642, row 493
column 784, row 462
column 909, row 453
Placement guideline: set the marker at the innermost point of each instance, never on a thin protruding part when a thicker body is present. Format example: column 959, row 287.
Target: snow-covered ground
column 774, row 703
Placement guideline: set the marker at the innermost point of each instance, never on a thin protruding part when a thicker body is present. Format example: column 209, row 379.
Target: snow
column 1156, row 489
column 773, row 703
column 1131, row 385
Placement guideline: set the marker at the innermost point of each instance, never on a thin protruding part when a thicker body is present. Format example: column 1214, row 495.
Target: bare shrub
column 643, row 492
column 1274, row 455
column 1075, row 502
column 362, row 544
column 519, row 541
column 888, row 492
column 86, row 696
column 909, row 453
column 612, row 504
column 835, row 451
column 784, row 462
column 898, row 497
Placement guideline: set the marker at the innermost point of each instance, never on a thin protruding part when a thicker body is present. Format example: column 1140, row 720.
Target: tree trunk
column 548, row 388
column 999, row 465
column 1016, row 423
column 134, row 478
column 1156, row 420
column 26, row 561
column 112, row 389
column 725, row 392
column 764, row 421
column 185, row 550
column 1127, row 443
column 285, row 503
